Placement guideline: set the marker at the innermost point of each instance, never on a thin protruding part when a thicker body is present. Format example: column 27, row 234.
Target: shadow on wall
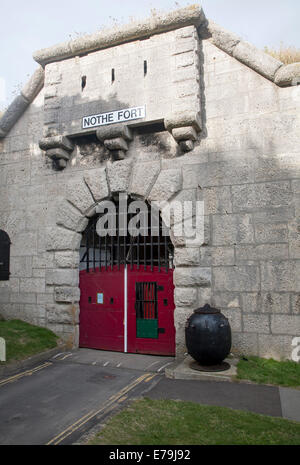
column 89, row 150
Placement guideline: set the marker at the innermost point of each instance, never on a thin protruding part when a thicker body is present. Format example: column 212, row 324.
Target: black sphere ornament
column 208, row 336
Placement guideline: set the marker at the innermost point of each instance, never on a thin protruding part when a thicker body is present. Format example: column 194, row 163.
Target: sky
column 27, row 26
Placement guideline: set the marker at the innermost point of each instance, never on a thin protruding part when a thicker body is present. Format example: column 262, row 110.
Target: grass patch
column 23, row 339
column 285, row 54
column 161, row 422
column 269, row 371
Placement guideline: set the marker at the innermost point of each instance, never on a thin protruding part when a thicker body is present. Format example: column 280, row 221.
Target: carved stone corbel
column 185, row 128
column 58, row 149
column 115, row 138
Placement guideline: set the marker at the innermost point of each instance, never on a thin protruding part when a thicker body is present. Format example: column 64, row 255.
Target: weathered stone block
column 249, row 253
column 24, row 244
column 167, row 184
column 22, row 297
column 97, row 183
column 274, row 346
column 285, row 324
column 34, row 85
column 21, row 267
column 185, row 297
column 255, row 323
column 204, row 296
column 79, row 195
column 295, row 304
column 61, row 142
column 221, row 38
column 62, row 239
column 32, row 285
column 62, row 314
column 143, row 178
column 13, row 113
column 69, row 217
column 187, row 256
column 244, row 343
column 256, row 59
column 234, row 317
column 271, row 233
column 61, row 277
column 232, row 229
column 263, row 195
column 225, row 300
column 113, row 131
column 222, row 256
column 217, row 200
column 283, row 276
column 294, row 239
column 66, row 259
column 118, row 174
column 187, row 277
column 183, row 119
column 184, row 133
column 67, row 294
column 288, row 75
column 236, row 278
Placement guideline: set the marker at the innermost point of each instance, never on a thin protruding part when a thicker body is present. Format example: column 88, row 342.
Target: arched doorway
column 126, row 282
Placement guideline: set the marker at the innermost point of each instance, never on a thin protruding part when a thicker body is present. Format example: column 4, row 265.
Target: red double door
column 128, row 310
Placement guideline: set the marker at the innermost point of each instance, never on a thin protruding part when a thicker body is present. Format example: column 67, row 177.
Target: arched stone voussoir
column 118, row 174
column 167, row 184
column 58, row 238
column 70, row 218
column 97, row 183
column 79, row 195
column 144, row 176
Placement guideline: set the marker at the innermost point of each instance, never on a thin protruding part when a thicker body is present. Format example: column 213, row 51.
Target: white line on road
column 154, row 363
column 66, row 356
column 164, row 366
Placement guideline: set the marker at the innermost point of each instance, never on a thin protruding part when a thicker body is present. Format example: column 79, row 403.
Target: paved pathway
column 57, row 401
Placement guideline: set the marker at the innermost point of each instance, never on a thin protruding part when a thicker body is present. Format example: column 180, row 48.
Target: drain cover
column 224, row 366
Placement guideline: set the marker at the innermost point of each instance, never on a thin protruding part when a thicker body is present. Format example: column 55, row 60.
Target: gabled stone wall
column 244, row 164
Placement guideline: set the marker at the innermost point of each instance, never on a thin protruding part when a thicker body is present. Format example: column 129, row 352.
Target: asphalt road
column 62, row 399
column 57, row 401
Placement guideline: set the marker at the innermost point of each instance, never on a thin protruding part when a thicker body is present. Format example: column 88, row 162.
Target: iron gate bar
column 157, row 251
column 94, row 252
column 88, row 252
column 146, row 300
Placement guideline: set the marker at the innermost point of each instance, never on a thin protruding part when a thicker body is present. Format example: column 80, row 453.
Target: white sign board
column 2, row 350
column 118, row 116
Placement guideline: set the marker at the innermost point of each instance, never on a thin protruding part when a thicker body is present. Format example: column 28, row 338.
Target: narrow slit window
column 83, row 82
column 4, row 256
column 145, row 68
column 113, row 76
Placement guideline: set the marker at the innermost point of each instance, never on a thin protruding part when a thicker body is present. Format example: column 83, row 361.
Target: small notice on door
column 99, row 298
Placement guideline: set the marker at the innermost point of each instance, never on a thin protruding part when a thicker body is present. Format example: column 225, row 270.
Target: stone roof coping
column 22, row 101
column 264, row 64
column 156, row 24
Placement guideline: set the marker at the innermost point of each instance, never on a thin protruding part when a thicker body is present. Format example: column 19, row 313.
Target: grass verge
column 161, row 422
column 24, row 340
column 269, row 371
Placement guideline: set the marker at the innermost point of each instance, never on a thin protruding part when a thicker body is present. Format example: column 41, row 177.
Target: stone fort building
column 174, row 107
